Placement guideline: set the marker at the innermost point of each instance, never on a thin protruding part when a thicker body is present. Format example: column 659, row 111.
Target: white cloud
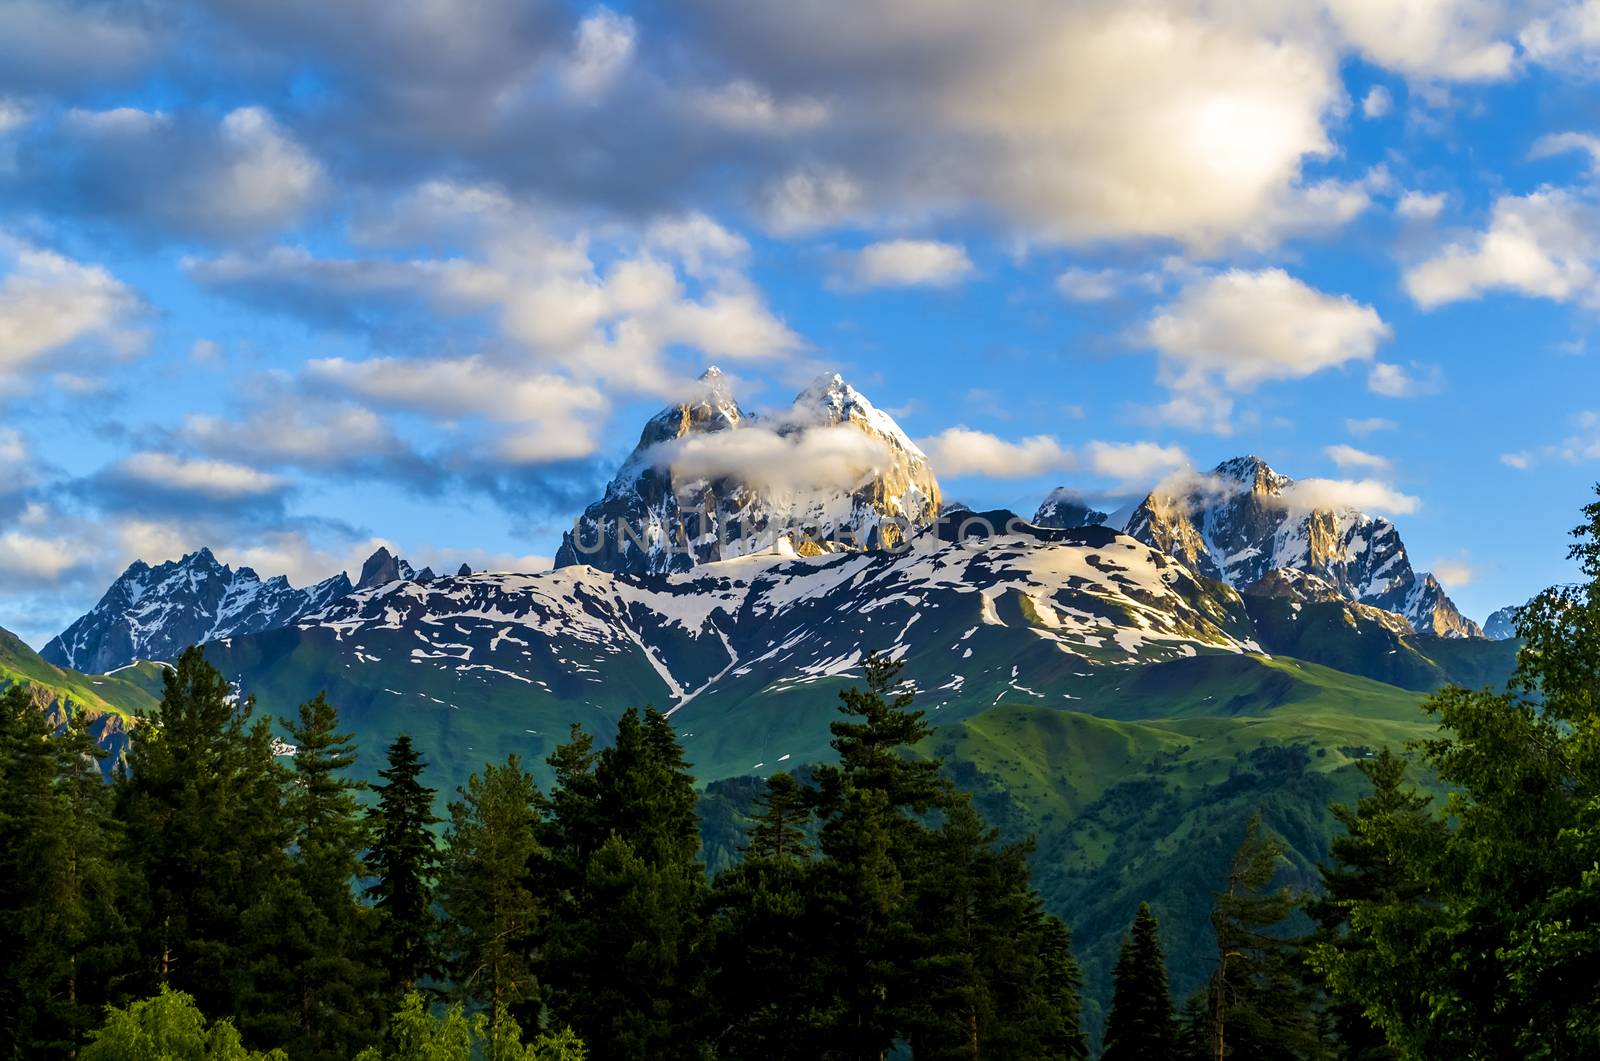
column 263, row 177
column 1398, row 381
column 212, row 479
column 1462, row 40
column 1134, row 465
column 959, row 451
column 1541, row 245
column 603, row 49
column 1377, row 102
column 1229, row 332
column 1454, row 573
column 1521, row 461
column 49, row 302
column 294, row 430
column 1567, row 38
column 911, row 263
column 833, row 457
column 1368, row 495
column 1369, row 426
column 31, row 559
column 552, row 417
column 1347, row 457
column 1418, row 206
column 1553, row 144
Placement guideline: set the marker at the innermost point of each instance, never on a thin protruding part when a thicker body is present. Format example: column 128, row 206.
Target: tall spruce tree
column 491, row 912
column 1140, row 1026
column 403, row 863
column 312, row 984
column 205, row 837
column 626, row 957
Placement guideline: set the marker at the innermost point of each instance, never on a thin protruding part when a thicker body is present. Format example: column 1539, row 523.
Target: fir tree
column 485, row 889
column 626, row 958
column 311, row 984
column 404, row 864
column 780, row 829
column 205, row 836
column 1141, row 1025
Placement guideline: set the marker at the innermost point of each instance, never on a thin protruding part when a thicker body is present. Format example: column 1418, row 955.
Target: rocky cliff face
column 1244, row 520
column 709, row 481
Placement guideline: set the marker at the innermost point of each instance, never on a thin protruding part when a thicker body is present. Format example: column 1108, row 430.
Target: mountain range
column 1125, row 687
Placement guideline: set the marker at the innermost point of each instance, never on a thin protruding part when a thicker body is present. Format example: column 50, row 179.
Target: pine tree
column 205, row 837
column 626, row 956
column 1258, row 1005
column 1141, row 1025
column 761, row 934
column 404, row 864
column 311, row 984
column 491, row 912
column 780, row 829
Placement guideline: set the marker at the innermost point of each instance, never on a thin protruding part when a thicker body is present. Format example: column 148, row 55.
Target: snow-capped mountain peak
column 666, row 512
column 1238, row 523
column 155, row 612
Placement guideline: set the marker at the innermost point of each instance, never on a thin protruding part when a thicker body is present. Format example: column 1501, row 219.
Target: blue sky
column 291, row 279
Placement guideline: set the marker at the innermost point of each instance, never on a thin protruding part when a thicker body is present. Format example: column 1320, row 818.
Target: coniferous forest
column 219, row 899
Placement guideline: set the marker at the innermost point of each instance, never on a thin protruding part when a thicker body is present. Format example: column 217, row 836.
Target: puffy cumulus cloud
column 959, row 451
column 1134, row 465
column 606, row 304
column 50, row 303
column 1542, row 245
column 180, row 175
column 601, row 52
column 1553, row 144
column 1377, row 102
column 1347, row 457
column 28, row 559
column 1232, row 331
column 1458, row 40
column 1367, row 495
column 910, row 263
column 212, row 480
column 548, row 417
column 832, row 457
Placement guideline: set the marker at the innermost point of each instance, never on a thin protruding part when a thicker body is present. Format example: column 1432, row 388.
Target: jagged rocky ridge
column 831, row 473
column 1243, row 521
column 156, row 612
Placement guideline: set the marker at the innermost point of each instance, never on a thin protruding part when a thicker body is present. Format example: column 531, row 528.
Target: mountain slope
column 709, row 481
column 1244, row 520
column 109, row 701
column 745, row 653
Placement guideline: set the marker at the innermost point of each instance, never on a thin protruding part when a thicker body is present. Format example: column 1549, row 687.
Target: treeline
column 220, row 901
